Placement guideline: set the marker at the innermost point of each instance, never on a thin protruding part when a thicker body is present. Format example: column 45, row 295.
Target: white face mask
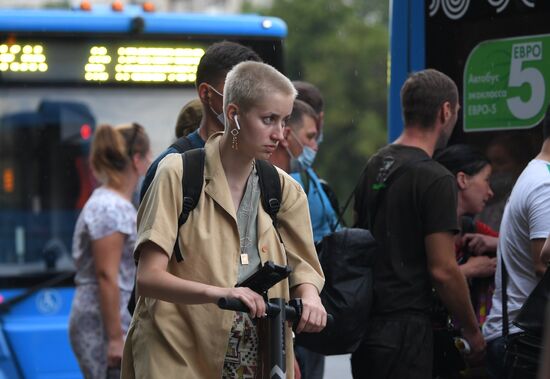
column 220, row 117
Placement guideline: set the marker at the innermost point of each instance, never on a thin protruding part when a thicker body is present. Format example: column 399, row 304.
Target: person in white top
column 524, row 228
column 103, row 245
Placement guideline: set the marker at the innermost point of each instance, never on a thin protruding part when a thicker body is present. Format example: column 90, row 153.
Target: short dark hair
column 546, row 124
column 219, row 58
column 310, row 94
column 462, row 158
column 299, row 110
column 423, row 94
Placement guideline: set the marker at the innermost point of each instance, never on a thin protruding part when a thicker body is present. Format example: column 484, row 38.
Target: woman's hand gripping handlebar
column 292, row 309
column 242, row 299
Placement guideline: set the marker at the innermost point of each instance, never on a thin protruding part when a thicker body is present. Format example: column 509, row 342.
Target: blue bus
column 497, row 52
column 62, row 72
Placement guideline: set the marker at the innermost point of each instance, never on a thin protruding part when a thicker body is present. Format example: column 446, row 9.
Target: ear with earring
column 235, row 133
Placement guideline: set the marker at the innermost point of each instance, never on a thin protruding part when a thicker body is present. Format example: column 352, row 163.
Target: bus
column 62, row 73
column 498, row 54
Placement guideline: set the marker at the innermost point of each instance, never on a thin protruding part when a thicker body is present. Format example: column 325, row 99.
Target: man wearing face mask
column 302, row 149
column 310, row 94
column 214, row 65
column 296, row 156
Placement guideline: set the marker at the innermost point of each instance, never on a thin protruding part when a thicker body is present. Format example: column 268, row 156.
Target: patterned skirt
column 241, row 358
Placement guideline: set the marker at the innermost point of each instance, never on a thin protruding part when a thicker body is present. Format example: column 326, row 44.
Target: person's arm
column 536, row 253
column 155, row 282
column 545, row 252
column 107, row 252
column 538, row 219
column 479, row 267
column 452, row 287
column 314, row 316
column 479, row 244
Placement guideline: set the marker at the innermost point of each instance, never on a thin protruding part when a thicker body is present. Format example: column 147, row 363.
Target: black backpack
column 193, row 170
column 348, row 257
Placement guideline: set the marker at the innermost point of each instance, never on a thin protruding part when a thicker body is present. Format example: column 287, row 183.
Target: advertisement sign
column 506, row 84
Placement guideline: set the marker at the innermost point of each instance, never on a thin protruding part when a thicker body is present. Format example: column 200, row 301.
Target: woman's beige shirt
column 168, row 340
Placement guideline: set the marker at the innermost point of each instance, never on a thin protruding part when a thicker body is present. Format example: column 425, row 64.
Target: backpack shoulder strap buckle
column 188, row 204
column 274, row 205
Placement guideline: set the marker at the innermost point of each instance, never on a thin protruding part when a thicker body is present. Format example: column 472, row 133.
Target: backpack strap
column 270, row 188
column 304, row 177
column 191, row 182
column 380, row 189
column 182, row 144
column 193, row 169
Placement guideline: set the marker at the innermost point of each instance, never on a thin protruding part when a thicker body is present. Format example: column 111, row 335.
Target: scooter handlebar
column 233, row 304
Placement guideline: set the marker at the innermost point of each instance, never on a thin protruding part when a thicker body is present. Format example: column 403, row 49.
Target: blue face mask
column 307, row 157
column 304, row 160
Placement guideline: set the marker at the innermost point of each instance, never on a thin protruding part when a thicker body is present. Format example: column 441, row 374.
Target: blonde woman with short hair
column 178, row 330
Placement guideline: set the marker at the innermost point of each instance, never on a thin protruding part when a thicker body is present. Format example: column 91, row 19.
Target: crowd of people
column 434, row 246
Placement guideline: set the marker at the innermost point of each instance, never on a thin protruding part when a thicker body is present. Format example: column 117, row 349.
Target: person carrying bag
column 523, row 350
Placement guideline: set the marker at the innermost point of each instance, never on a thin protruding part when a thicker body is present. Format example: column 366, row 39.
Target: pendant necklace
column 245, row 242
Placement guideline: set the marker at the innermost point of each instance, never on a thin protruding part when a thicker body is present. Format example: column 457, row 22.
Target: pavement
column 338, row 366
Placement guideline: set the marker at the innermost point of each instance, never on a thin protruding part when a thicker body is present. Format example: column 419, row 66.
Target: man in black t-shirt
column 414, row 223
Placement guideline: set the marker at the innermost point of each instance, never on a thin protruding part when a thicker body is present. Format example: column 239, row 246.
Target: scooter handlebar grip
column 232, row 304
